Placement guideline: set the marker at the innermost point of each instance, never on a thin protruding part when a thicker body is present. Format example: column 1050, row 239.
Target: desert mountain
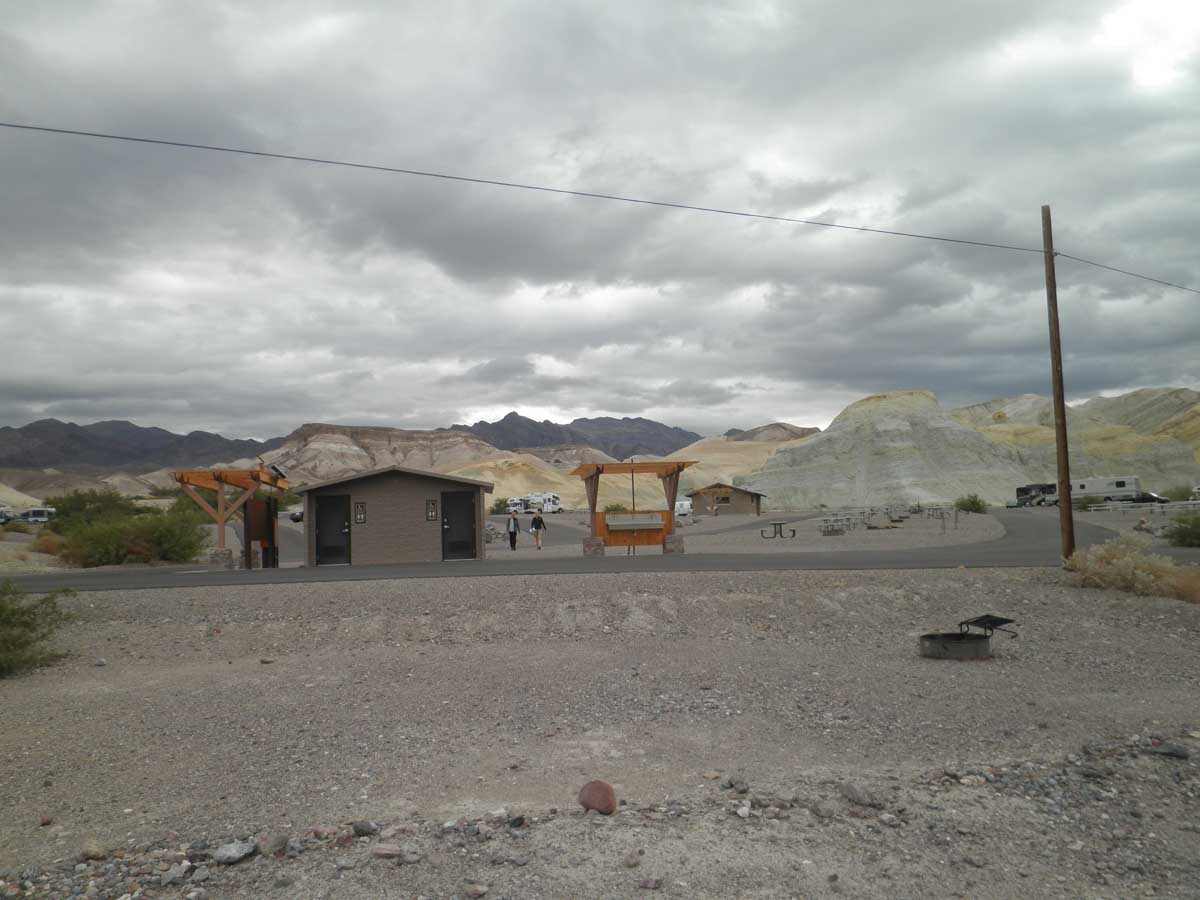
column 1145, row 411
column 117, row 444
column 894, row 447
column 518, row 475
column 776, row 431
column 316, row 452
column 724, row 459
column 567, row 456
column 1099, row 445
column 619, row 438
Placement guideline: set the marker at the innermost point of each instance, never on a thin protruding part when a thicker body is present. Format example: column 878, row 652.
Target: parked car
column 297, row 516
column 1151, row 497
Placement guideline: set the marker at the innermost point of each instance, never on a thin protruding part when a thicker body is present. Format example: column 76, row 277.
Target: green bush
column 1184, row 532
column 499, row 506
column 25, row 627
column 81, row 507
column 174, row 536
column 1179, row 493
column 615, row 507
column 971, row 503
column 1080, row 504
column 16, row 526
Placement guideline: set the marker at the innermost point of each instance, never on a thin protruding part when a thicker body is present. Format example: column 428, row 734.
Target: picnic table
column 778, row 530
column 836, row 524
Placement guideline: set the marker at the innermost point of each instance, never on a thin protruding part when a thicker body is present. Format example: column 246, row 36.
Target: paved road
column 1031, row 539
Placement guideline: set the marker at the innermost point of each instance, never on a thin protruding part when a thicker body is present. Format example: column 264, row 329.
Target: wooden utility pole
column 1065, row 513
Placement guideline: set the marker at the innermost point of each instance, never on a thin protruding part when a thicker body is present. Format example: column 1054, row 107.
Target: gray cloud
column 242, row 295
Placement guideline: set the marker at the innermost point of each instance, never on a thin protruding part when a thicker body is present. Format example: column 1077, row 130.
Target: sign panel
column 633, row 521
column 360, row 513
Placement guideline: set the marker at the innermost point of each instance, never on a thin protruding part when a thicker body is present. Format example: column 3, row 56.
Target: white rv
column 683, row 507
column 1108, row 487
column 543, row 501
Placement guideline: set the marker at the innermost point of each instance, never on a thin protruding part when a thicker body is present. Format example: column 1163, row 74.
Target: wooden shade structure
column 668, row 473
column 248, row 480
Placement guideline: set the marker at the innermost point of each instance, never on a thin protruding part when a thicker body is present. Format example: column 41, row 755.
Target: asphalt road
column 1031, row 539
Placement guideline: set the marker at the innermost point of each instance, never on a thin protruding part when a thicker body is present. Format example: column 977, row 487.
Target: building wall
column 396, row 530
column 740, row 504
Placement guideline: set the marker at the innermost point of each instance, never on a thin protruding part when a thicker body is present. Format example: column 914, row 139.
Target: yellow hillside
column 1098, row 438
column 720, row 459
column 516, row 476
column 1183, row 427
column 17, row 500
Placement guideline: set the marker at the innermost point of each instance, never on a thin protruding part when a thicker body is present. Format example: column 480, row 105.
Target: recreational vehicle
column 543, row 501
column 1108, row 487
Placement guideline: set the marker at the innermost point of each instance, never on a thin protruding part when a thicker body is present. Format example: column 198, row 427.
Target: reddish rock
column 598, row 795
column 44, row 821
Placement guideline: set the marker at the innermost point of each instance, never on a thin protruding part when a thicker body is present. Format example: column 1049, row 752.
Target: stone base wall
column 673, row 543
column 593, row 546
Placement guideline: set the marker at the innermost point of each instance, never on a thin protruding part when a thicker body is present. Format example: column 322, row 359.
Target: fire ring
column 956, row 645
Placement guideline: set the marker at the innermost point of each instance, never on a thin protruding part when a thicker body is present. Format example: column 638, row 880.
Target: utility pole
column 1065, row 513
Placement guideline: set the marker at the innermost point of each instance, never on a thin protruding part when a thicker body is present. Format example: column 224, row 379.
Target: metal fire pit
column 965, row 643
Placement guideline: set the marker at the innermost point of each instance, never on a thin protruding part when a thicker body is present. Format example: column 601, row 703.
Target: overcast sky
column 197, row 290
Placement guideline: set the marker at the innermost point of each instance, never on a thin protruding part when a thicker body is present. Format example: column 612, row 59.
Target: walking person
column 514, row 525
column 538, row 525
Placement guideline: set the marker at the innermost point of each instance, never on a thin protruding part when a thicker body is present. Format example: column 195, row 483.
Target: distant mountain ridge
column 619, row 438
column 117, row 444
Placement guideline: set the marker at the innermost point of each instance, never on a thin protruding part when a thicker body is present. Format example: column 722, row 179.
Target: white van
column 1108, row 488
column 683, row 507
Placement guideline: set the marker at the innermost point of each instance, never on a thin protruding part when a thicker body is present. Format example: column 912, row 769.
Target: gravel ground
column 1066, row 766
column 17, row 557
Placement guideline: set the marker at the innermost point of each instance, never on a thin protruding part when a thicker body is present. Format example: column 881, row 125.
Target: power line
column 572, row 193
column 1126, row 272
column 512, row 184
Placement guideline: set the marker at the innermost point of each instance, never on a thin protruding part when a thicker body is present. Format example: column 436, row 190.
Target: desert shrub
column 25, row 627
column 1184, row 532
column 615, row 507
column 48, row 542
column 164, row 493
column 1125, row 564
column 499, row 506
column 1187, row 584
column 81, row 507
column 176, row 537
column 1179, row 493
column 16, row 526
column 173, row 536
column 1080, row 504
column 971, row 503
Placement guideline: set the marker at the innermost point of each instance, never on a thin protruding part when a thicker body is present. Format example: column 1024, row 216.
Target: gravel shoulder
column 223, row 713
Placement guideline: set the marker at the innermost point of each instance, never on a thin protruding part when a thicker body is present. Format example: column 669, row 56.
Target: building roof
column 486, row 485
column 721, row 486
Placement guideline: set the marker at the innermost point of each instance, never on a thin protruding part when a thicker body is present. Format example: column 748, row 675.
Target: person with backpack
column 537, row 526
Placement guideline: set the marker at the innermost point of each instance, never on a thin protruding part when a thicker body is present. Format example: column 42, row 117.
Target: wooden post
column 220, row 516
column 592, row 485
column 1065, row 513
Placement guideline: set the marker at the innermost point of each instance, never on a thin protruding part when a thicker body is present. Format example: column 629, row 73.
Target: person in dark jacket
column 514, row 525
column 538, row 525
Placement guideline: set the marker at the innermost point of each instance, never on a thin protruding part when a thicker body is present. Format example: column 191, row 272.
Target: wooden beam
column 200, row 501
column 237, row 504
